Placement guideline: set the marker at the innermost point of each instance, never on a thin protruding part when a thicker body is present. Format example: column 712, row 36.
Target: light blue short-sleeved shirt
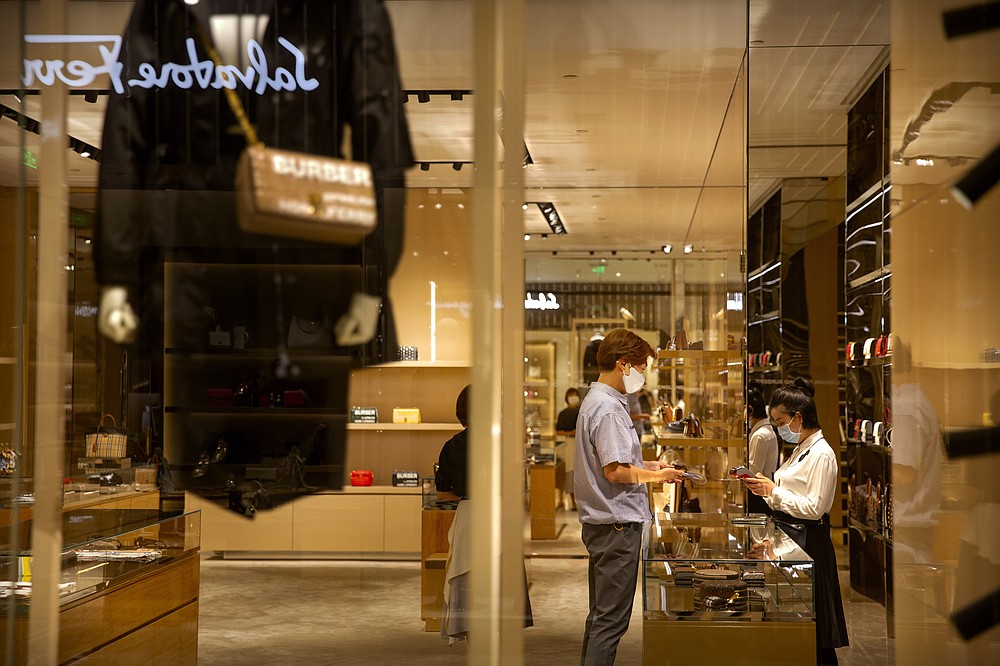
column 605, row 434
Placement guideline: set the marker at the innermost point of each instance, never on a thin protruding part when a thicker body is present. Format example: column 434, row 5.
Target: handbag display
column 106, row 442
column 362, row 477
column 299, row 195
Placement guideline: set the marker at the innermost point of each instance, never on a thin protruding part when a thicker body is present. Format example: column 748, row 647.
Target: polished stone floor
column 350, row 612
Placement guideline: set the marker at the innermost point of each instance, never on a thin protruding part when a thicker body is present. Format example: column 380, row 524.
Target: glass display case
column 713, row 581
column 101, row 549
column 137, row 570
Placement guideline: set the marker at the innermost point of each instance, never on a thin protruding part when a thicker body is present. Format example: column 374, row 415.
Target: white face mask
column 634, row 380
column 786, row 433
column 573, row 401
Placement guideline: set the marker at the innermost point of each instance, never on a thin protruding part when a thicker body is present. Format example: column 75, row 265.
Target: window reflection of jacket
column 169, row 156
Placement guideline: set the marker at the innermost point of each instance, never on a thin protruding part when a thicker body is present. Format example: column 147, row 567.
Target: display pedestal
column 675, row 643
column 546, row 494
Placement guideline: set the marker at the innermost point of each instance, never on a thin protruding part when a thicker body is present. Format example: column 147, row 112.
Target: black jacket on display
column 169, row 153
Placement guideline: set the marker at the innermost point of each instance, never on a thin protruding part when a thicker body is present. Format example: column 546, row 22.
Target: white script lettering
column 203, row 73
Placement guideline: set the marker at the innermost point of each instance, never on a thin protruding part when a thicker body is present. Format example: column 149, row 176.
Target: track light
column 457, row 166
column 978, row 181
column 688, row 249
column 457, row 96
column 423, row 97
column 667, row 249
column 90, row 96
column 425, row 166
column 551, row 216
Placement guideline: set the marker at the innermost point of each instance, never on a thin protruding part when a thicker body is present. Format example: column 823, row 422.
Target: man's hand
column 623, row 473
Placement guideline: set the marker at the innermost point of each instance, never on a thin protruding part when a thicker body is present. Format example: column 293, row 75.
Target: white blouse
column 763, row 449
column 807, row 480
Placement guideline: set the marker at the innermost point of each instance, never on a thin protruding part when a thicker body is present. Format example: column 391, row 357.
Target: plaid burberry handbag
column 105, row 441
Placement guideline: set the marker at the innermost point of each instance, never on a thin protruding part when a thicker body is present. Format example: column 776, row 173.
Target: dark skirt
column 814, row 538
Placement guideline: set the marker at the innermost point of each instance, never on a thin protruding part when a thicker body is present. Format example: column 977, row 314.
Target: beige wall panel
column 223, row 529
column 402, row 524
column 339, row 523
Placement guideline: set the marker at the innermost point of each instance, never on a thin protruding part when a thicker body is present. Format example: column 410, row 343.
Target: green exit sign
column 598, row 269
column 29, row 159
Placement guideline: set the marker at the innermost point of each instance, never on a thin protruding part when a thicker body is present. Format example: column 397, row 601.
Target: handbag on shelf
column 299, row 195
column 106, row 441
column 693, row 427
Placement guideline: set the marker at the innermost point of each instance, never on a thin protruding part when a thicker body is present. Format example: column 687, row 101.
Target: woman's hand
column 759, row 485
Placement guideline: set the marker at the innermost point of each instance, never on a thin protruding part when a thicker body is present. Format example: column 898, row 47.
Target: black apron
column 813, row 536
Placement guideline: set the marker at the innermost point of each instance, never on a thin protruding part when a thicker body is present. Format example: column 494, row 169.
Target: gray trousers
column 614, row 569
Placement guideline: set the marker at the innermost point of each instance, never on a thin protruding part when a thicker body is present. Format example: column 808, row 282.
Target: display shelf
column 539, row 396
column 732, row 355
column 254, row 411
column 425, row 364
column 857, row 524
column 447, row 427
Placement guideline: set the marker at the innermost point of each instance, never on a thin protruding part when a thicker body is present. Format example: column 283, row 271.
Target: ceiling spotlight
column 90, row 96
column 688, row 249
column 545, row 236
column 524, row 206
column 626, row 315
column 85, row 153
column 527, row 236
column 457, row 96
column 667, row 249
column 457, row 166
column 978, row 180
column 425, row 166
column 423, row 97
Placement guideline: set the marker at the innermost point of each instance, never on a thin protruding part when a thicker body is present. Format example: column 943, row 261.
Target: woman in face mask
column 566, row 428
column 800, row 496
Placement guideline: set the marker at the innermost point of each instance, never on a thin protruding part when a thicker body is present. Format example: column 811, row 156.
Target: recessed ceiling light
column 688, row 249
column 438, row 206
column 667, row 248
column 581, row 131
column 757, row 42
column 527, row 236
column 569, row 76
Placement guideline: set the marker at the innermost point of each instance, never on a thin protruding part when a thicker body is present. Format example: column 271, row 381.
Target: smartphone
column 742, row 472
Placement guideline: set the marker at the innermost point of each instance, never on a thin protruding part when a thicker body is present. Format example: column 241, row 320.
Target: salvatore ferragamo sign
column 258, row 76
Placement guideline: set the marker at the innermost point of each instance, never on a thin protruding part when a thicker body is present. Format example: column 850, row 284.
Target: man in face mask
column 610, row 485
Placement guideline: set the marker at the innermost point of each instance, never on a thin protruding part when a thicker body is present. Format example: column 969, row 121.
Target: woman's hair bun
column 804, row 385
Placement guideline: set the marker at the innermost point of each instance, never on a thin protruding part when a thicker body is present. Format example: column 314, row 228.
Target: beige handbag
column 299, row 195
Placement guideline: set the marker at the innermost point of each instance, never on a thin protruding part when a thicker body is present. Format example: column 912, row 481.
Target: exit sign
column 29, row 159
column 598, row 269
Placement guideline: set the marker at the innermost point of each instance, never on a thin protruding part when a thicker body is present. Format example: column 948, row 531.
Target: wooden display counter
column 119, row 611
column 546, row 492
column 368, row 522
column 435, row 524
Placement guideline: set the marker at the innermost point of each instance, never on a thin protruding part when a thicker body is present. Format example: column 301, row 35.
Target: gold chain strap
column 234, row 100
